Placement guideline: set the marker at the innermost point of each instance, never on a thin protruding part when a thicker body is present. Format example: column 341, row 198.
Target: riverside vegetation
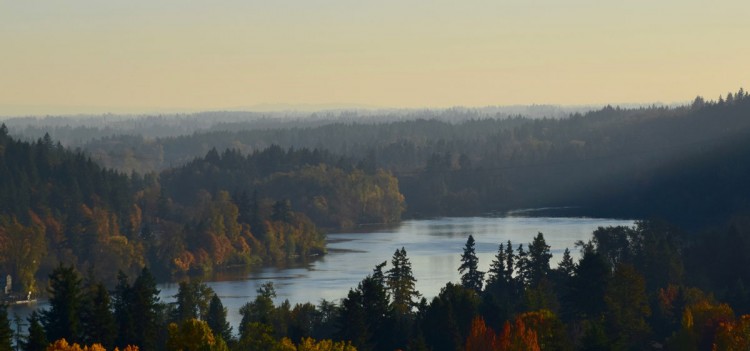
column 656, row 285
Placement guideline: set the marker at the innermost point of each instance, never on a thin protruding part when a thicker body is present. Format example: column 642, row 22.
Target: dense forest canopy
column 463, row 161
column 633, row 288
column 172, row 206
column 218, row 211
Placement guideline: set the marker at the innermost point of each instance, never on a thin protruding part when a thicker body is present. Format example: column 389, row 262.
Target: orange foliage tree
column 733, row 336
column 514, row 337
column 62, row 345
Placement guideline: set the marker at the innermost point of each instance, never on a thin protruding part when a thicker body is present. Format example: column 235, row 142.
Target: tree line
column 458, row 162
column 221, row 210
column 633, row 288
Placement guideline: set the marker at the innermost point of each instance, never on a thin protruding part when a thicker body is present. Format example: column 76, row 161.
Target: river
column 433, row 246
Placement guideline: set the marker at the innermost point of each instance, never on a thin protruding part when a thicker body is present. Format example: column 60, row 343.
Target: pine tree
column 62, row 319
column 145, row 307
column 187, row 302
column 36, row 339
column 497, row 267
column 538, row 260
column 97, row 321
column 510, row 261
column 217, row 319
column 522, row 266
column 6, row 333
column 472, row 278
column 124, row 317
column 401, row 283
column 566, row 266
column 353, row 323
column 261, row 310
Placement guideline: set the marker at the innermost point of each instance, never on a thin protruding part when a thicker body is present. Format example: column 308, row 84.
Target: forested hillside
column 645, row 287
column 656, row 161
column 223, row 210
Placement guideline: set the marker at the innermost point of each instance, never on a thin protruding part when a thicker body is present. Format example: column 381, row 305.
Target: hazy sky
column 159, row 55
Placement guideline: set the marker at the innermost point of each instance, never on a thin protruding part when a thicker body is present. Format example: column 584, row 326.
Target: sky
column 146, row 56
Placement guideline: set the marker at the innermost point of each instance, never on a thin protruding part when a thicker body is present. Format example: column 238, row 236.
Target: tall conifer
column 471, row 278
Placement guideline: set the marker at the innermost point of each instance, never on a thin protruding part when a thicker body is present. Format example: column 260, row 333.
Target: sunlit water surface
column 433, row 246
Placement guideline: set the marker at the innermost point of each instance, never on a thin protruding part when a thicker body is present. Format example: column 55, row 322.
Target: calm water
column 433, row 247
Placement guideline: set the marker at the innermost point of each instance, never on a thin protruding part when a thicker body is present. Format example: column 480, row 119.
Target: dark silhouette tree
column 36, row 340
column 496, row 273
column 125, row 319
column 145, row 307
column 471, row 277
column 97, row 320
column 187, row 302
column 260, row 311
column 401, row 283
column 62, row 319
column 538, row 260
column 6, row 333
column 365, row 313
column 217, row 319
column 566, row 266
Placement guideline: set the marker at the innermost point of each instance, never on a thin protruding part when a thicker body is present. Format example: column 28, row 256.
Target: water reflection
column 433, row 246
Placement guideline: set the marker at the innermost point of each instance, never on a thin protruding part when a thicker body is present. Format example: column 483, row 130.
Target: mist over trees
column 239, row 193
column 464, row 161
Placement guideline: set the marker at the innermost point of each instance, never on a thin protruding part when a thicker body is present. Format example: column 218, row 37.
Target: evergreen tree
column 97, row 321
column 365, row 314
column 217, row 319
column 538, row 260
column 62, row 319
column 496, row 272
column 353, row 324
column 522, row 266
column 627, row 308
column 124, row 314
column 282, row 211
column 36, row 340
column 510, row 262
column 588, row 285
column 261, row 310
column 6, row 333
column 448, row 318
column 401, row 283
column 566, row 266
column 471, row 277
column 187, row 302
column 146, row 309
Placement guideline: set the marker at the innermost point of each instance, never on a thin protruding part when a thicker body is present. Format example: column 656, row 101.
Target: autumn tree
column 481, row 338
column 733, row 335
column 193, row 335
